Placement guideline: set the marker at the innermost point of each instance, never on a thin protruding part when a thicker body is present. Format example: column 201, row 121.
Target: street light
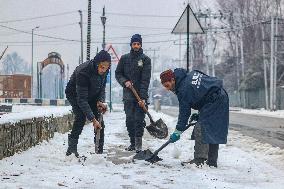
column 32, row 89
column 81, row 26
column 103, row 19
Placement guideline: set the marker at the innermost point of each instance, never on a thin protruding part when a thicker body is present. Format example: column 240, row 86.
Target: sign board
column 194, row 25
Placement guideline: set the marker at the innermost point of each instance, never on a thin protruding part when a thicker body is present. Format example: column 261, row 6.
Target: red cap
column 167, row 75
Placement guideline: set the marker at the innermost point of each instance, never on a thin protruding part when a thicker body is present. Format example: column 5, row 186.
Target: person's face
column 103, row 67
column 136, row 46
column 170, row 85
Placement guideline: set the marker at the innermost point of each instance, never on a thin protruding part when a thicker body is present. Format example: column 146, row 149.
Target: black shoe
column 72, row 147
column 198, row 161
column 211, row 163
column 131, row 147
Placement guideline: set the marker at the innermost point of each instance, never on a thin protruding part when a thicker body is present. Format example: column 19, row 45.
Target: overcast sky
column 123, row 20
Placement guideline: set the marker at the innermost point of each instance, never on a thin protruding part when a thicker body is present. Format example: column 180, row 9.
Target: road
column 266, row 129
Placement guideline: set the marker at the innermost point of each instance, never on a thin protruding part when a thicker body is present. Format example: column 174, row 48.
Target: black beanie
column 102, row 56
column 136, row 38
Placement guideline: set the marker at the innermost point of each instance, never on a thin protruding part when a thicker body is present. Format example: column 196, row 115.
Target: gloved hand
column 102, row 107
column 175, row 136
column 194, row 117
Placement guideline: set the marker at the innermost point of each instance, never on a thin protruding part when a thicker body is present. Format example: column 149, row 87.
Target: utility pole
column 153, row 58
column 180, row 60
column 103, row 19
column 32, row 66
column 81, row 26
column 187, row 36
column 272, row 63
column 275, row 64
column 89, row 29
column 264, row 68
column 237, row 63
column 242, row 45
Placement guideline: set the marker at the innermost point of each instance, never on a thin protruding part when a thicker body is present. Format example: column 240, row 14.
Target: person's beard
column 173, row 89
column 136, row 49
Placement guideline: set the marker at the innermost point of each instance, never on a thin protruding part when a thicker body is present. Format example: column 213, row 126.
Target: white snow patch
column 243, row 163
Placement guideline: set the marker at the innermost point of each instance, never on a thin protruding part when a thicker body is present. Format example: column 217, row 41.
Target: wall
column 22, row 135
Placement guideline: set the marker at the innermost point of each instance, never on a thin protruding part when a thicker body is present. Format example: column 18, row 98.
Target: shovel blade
column 158, row 129
column 147, row 155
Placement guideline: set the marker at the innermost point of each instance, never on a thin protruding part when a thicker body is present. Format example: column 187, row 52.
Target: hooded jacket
column 86, row 85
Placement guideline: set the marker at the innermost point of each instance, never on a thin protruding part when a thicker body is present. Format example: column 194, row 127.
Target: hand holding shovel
column 157, row 129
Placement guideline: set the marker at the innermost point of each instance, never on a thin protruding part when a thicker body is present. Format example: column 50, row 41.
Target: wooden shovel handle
column 139, row 99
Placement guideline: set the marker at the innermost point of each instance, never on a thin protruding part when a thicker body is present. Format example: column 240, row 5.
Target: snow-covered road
column 243, row 163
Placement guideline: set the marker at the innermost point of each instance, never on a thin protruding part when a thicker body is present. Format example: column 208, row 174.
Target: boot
column 72, row 146
column 138, row 144
column 213, row 155
column 131, row 147
column 198, row 161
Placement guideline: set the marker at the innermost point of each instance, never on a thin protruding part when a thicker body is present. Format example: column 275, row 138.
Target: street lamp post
column 103, row 19
column 32, row 85
column 81, row 26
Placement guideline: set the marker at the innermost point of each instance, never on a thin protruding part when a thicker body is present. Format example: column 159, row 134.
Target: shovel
column 98, row 134
column 157, row 129
column 147, row 155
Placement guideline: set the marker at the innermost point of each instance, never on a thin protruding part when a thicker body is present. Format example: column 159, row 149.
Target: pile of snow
column 20, row 112
column 243, row 163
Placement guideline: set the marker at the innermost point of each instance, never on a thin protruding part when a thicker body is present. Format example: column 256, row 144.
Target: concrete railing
column 17, row 137
column 36, row 101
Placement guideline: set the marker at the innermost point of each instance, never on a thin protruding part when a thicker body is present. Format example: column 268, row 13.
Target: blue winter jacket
column 204, row 93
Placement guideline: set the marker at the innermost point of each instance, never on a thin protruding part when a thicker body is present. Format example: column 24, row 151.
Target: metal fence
column 254, row 99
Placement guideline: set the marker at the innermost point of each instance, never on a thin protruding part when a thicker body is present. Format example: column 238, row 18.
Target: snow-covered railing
column 21, row 135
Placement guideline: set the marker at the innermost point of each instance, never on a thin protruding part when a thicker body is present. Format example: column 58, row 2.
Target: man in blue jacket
column 134, row 69
column 86, row 93
column 196, row 90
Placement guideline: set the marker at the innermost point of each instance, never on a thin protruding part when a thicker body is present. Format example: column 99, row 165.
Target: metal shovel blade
column 148, row 156
column 158, row 129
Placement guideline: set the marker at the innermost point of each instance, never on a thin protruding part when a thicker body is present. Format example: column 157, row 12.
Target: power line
column 139, row 15
column 131, row 27
column 74, row 11
column 38, row 17
column 46, row 36
column 75, row 40
column 58, row 26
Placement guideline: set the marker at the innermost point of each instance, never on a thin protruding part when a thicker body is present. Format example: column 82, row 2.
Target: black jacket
column 86, row 85
column 134, row 67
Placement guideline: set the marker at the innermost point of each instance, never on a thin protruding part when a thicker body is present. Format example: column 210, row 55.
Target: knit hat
column 167, row 75
column 136, row 38
column 102, row 56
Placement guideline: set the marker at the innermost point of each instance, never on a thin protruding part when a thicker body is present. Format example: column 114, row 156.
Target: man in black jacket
column 86, row 93
column 134, row 69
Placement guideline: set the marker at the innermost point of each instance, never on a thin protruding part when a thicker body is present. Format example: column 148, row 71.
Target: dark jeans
column 80, row 119
column 135, row 116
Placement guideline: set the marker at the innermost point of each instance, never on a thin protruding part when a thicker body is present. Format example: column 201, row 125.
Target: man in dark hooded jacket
column 134, row 69
column 201, row 92
column 86, row 93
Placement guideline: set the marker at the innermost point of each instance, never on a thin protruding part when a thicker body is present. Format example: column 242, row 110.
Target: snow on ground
column 243, row 163
column 260, row 112
column 20, row 112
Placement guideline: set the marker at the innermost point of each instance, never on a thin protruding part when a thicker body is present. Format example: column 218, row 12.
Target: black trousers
column 80, row 120
column 135, row 116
